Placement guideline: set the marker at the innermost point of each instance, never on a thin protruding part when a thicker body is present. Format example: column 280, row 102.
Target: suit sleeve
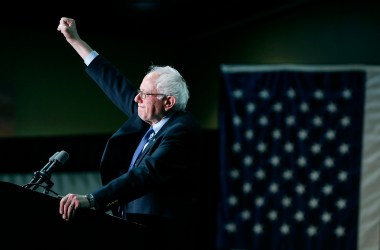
column 114, row 84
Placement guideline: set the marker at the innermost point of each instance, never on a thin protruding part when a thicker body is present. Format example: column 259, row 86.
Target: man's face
column 151, row 108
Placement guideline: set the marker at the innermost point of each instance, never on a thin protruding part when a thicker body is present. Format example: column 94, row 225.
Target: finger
column 71, row 211
column 67, row 209
column 61, row 24
column 62, row 204
column 68, row 22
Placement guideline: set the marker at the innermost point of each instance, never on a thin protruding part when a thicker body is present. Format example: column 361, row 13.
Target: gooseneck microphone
column 43, row 176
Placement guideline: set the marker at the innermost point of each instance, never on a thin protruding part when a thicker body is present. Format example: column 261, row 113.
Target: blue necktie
column 140, row 147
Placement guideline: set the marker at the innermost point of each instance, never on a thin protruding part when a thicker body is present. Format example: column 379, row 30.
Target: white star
column 317, row 121
column 299, row 216
column 236, row 147
column 340, row 231
column 326, row 217
column 329, row 162
column 302, row 134
column 237, row 93
column 285, row 229
column 330, row 134
column 288, row 174
column 260, row 174
column 258, row 229
column 301, row 161
column 304, row 107
column 316, row 148
column 248, row 160
column 259, row 201
column 286, row 201
column 290, row 120
column 247, row 187
column 345, row 121
column 250, row 107
column 341, row 203
column 276, row 134
column 314, row 175
column 346, row 94
column 232, row 200
column 249, row 134
column 263, row 121
column 313, row 203
column 274, row 161
column 235, row 174
column 318, row 94
column 327, row 189
column 236, row 120
column 344, row 148
column 342, row 176
column 277, row 107
column 300, row 189
column 261, row 147
column 288, row 147
column 291, row 93
column 230, row 227
column 264, row 94
column 311, row 231
column 245, row 214
column 272, row 215
column 331, row 107
column 273, row 188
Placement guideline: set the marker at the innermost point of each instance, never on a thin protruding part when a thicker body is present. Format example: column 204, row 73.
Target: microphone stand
column 49, row 185
column 42, row 177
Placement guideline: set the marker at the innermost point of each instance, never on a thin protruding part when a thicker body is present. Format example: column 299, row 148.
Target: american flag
column 298, row 157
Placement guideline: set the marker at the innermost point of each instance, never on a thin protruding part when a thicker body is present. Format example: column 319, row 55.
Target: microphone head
column 52, row 158
column 59, row 160
column 62, row 157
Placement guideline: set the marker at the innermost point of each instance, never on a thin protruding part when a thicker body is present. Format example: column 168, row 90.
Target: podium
column 31, row 219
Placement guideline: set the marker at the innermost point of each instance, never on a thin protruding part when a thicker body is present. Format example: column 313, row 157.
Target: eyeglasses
column 143, row 95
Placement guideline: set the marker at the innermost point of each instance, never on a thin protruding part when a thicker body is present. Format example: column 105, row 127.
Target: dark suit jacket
column 163, row 185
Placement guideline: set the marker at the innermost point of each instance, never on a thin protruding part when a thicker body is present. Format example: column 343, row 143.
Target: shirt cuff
column 90, row 57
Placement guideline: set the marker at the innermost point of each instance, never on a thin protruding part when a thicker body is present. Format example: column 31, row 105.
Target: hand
column 70, row 203
column 68, row 28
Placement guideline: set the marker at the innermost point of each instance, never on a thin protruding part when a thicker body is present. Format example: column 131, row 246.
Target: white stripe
column 369, row 233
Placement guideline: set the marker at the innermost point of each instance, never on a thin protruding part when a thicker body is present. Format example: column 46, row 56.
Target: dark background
column 51, row 94
column 48, row 103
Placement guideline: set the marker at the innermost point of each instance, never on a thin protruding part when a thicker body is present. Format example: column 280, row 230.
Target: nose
column 138, row 97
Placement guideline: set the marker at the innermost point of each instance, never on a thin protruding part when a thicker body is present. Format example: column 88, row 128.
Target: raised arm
column 67, row 27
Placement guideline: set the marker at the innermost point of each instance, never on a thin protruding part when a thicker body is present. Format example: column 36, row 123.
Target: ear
column 169, row 102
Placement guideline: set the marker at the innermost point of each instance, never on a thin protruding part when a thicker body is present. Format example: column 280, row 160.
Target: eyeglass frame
column 143, row 95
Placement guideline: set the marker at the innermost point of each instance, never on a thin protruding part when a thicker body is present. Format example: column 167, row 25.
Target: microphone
column 56, row 160
column 51, row 160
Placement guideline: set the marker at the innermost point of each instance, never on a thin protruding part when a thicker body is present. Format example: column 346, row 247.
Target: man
column 159, row 188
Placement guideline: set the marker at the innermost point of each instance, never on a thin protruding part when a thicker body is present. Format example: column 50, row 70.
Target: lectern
column 30, row 219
